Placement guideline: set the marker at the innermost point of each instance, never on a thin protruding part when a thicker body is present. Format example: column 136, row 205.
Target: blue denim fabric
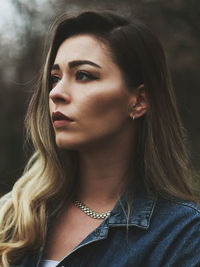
column 160, row 233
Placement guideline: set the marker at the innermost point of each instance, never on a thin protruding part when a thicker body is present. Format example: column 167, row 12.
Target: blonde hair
column 50, row 176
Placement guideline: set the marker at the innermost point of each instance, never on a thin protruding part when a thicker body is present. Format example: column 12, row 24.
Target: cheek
column 108, row 106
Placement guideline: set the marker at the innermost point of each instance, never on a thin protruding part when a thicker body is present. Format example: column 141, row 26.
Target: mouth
column 59, row 119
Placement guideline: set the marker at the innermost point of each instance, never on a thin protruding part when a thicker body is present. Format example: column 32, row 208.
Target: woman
column 108, row 182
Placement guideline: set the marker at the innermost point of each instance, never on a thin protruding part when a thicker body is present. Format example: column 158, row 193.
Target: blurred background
column 24, row 26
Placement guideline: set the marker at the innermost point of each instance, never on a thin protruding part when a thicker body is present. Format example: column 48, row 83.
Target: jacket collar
column 141, row 211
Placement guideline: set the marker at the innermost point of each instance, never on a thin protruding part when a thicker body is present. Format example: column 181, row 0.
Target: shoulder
column 178, row 214
column 179, row 221
column 168, row 231
column 180, row 208
column 166, row 218
column 175, row 225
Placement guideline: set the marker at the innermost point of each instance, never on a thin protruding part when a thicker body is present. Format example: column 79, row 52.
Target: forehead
column 83, row 46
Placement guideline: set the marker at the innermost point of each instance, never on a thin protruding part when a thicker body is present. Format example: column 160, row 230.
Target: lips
column 60, row 120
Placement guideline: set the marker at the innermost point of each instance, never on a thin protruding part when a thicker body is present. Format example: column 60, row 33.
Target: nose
column 60, row 93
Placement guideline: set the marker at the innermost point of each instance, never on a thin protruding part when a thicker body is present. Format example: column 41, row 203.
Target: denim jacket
column 160, row 233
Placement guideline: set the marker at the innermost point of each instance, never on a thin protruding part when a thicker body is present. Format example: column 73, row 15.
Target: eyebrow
column 75, row 63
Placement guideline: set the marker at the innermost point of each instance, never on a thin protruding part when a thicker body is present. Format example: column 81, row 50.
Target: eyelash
column 80, row 75
column 54, row 79
column 88, row 76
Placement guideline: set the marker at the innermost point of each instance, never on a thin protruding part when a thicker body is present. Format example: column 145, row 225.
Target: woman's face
column 88, row 101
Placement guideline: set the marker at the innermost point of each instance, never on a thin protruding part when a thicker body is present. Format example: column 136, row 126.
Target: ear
column 138, row 102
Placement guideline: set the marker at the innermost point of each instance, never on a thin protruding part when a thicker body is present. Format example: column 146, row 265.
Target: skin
column 102, row 132
column 98, row 103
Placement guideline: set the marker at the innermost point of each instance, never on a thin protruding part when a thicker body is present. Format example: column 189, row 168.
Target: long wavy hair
column 160, row 158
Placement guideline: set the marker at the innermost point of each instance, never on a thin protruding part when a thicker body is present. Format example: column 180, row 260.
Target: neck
column 103, row 170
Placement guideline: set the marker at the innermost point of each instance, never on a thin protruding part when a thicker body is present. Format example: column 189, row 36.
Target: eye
column 85, row 76
column 54, row 80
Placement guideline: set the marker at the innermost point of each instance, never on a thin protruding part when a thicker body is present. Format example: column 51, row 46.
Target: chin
column 64, row 143
column 77, row 145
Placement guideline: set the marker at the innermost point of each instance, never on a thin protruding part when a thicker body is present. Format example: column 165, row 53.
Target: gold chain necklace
column 91, row 213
